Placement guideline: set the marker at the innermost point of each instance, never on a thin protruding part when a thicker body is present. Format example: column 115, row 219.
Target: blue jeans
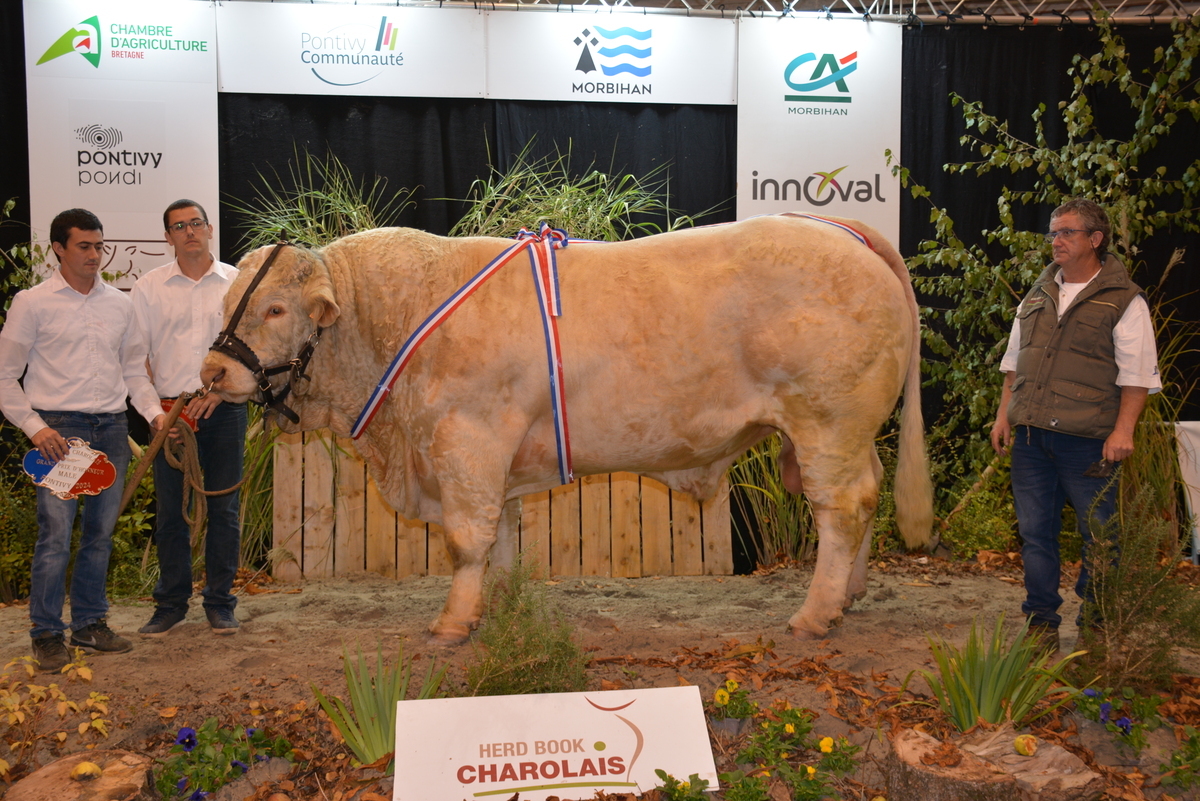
column 48, row 575
column 221, row 442
column 1047, row 471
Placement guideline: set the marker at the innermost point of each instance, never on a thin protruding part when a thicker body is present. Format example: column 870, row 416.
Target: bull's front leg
column 471, row 524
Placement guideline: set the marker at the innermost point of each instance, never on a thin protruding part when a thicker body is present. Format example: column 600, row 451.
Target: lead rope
column 184, row 456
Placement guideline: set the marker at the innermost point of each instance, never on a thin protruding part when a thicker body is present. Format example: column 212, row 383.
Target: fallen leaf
column 168, row 713
column 916, row 584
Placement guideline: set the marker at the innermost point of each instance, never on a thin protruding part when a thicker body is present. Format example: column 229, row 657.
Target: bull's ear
column 319, row 301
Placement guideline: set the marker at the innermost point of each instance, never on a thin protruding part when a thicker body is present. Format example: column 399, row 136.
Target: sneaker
column 162, row 621
column 221, row 619
column 50, row 653
column 99, row 638
column 1046, row 638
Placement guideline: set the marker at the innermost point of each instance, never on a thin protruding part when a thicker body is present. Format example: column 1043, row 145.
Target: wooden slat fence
column 330, row 520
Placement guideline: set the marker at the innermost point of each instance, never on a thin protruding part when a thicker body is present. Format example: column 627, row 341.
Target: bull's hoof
column 804, row 628
column 851, row 597
column 445, row 631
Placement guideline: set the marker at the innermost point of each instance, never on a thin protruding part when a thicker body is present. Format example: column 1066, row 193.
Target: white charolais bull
column 679, row 352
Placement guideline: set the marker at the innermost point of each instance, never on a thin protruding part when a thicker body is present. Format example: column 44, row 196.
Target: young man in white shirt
column 178, row 308
column 74, row 339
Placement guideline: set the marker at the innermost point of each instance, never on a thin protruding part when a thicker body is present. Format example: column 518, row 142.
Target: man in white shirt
column 1080, row 364
column 74, row 339
column 179, row 312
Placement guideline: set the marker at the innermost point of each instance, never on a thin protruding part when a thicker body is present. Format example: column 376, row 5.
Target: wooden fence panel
column 331, row 518
column 288, row 517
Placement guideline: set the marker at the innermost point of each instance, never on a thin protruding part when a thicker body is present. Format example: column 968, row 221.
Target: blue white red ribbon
column 854, row 232
column 541, row 247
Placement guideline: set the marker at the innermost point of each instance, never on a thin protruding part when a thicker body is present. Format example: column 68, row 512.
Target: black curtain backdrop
column 438, row 146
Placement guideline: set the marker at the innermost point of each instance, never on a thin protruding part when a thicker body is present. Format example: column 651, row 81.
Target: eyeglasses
column 1050, row 237
column 195, row 224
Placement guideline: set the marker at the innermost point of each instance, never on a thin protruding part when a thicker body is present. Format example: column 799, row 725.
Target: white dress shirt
column 179, row 319
column 1133, row 340
column 79, row 353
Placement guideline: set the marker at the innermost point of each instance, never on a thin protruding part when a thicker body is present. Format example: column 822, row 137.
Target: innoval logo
column 83, row 39
column 829, row 70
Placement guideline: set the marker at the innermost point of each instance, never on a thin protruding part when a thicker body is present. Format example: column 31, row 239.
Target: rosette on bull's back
column 475, row 371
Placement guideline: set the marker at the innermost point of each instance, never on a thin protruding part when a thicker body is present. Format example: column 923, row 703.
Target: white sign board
column 122, row 117
column 818, row 103
column 557, row 744
column 304, row 49
column 611, row 57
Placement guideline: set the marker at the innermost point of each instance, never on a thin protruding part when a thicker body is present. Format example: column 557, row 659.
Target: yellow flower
column 811, row 771
column 790, row 729
column 731, row 685
column 721, row 697
column 826, row 745
column 685, row 785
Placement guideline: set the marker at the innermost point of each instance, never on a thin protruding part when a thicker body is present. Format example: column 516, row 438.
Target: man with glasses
column 1080, row 363
column 74, row 339
column 179, row 310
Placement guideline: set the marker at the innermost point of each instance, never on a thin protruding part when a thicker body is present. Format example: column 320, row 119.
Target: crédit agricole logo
column 83, row 39
column 825, row 84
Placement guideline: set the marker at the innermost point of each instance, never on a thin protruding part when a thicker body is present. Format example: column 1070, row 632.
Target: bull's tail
column 913, row 490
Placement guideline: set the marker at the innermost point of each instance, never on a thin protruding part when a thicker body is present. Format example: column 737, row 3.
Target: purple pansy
column 237, row 763
column 1105, row 709
column 186, row 738
column 1090, row 693
column 1125, row 725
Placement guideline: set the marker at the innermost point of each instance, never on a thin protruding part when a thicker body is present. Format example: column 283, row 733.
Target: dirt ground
column 649, row 632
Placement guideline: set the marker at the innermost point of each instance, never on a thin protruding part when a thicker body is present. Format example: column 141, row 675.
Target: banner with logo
column 555, row 745
column 289, row 48
column 122, row 118
column 818, row 103
column 611, row 57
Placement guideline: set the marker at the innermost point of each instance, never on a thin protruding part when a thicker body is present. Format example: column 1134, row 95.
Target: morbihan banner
column 818, row 104
column 611, row 57
column 295, row 49
column 122, row 101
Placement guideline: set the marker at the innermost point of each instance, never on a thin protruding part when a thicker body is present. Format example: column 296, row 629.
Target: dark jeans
column 48, row 576
column 1047, row 471
column 221, row 442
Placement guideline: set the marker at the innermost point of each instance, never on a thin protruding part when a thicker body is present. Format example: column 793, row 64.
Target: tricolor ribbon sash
column 541, row 247
column 854, row 232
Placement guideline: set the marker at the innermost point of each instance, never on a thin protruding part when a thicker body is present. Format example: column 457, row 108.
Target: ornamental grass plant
column 524, row 645
column 368, row 724
column 993, row 681
column 1140, row 614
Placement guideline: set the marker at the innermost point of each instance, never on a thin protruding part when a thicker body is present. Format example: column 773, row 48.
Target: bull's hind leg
column 843, row 510
column 858, row 576
column 504, row 552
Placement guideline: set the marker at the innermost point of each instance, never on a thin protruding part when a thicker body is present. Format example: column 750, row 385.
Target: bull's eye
column 274, row 311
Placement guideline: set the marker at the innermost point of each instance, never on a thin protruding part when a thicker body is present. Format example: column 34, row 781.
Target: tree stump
column 985, row 767
column 126, row 777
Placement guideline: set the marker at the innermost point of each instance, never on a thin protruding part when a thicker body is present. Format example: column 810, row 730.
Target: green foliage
column 985, row 522
column 131, row 573
column 369, row 724
column 208, row 758
column 523, row 645
column 691, row 790
column 595, row 205
column 975, row 293
column 257, row 502
column 731, row 701
column 1140, row 613
column 1184, row 767
column 994, row 681
column 320, row 200
column 27, row 711
column 19, row 264
column 737, row 786
column 783, row 732
column 786, row 529
column 18, row 522
column 838, row 756
column 1129, row 716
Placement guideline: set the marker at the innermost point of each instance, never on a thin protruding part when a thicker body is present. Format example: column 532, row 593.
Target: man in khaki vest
column 1080, row 363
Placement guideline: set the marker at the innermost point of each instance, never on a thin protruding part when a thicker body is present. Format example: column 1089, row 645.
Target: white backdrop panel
column 300, row 49
column 818, row 102
column 122, row 117
column 611, row 57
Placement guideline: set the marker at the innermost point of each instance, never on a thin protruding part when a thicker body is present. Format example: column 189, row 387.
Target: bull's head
column 274, row 313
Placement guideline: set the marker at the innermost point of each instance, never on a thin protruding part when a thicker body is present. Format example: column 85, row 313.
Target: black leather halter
column 229, row 343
